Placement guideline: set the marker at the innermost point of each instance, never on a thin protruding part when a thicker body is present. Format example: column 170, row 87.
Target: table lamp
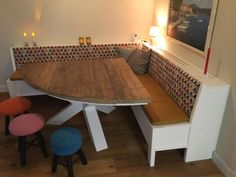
column 154, row 33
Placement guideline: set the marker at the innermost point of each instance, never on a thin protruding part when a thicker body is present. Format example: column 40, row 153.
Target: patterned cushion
column 139, row 61
column 181, row 86
column 125, row 51
column 24, row 55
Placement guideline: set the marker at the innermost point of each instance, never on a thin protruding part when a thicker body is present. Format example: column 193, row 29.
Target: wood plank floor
column 126, row 156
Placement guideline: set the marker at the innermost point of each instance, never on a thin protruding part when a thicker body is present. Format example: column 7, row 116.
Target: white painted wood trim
column 143, row 122
column 188, row 67
column 105, row 109
column 171, row 136
column 95, row 128
column 65, row 114
column 162, row 137
column 211, row 26
column 21, row 88
column 12, row 59
column 223, row 166
column 206, row 119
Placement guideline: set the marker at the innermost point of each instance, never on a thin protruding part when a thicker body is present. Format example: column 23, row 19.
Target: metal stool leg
column 22, row 146
column 54, row 163
column 42, row 144
column 7, row 121
column 69, row 166
column 80, row 152
column 19, row 145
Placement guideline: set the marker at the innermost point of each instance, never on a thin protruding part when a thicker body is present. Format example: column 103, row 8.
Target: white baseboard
column 225, row 169
column 3, row 88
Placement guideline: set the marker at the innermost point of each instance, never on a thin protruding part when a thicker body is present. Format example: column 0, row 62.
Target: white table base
column 91, row 118
column 66, row 113
column 95, row 128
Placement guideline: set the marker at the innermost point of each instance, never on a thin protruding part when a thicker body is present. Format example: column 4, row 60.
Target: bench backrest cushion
column 182, row 87
column 139, row 61
column 24, row 55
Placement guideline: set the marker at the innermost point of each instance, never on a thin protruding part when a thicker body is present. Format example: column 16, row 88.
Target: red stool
column 12, row 107
column 25, row 125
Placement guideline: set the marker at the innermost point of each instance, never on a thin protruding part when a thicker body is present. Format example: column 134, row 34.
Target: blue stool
column 64, row 143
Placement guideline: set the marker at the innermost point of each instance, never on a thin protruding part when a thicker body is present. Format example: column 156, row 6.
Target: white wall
column 222, row 64
column 62, row 22
column 223, row 46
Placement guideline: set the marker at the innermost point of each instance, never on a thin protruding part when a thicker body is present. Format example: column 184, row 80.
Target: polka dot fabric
column 182, row 87
column 25, row 55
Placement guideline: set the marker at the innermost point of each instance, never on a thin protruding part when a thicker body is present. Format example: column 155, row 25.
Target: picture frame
column 191, row 23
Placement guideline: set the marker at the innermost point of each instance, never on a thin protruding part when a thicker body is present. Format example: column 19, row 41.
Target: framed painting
column 191, row 22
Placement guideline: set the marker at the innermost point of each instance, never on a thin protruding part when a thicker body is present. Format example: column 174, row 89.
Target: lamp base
column 154, row 41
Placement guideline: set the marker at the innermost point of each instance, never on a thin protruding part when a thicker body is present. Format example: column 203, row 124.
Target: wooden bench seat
column 18, row 87
column 163, row 109
column 16, row 75
column 163, row 122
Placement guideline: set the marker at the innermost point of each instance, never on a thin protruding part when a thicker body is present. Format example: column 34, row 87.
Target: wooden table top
column 104, row 81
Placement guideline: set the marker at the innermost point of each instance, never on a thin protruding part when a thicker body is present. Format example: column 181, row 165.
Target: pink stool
column 25, row 125
column 12, row 107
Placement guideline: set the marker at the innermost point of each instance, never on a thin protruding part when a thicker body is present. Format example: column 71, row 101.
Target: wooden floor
column 126, row 156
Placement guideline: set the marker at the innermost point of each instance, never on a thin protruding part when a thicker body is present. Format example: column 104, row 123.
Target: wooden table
column 89, row 85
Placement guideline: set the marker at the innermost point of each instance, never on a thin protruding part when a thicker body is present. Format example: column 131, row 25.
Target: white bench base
column 164, row 137
column 199, row 136
column 21, row 88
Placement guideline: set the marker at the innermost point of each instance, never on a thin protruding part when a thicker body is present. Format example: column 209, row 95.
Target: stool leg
column 42, row 144
column 19, row 144
column 7, row 121
column 69, row 166
column 22, row 146
column 80, row 152
column 54, row 163
column 39, row 134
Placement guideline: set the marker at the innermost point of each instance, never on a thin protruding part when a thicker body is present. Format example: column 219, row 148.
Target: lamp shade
column 154, row 31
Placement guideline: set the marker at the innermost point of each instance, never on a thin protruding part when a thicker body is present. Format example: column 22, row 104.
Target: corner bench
column 186, row 105
column 163, row 123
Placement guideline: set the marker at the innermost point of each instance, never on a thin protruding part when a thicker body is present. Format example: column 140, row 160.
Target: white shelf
column 188, row 67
